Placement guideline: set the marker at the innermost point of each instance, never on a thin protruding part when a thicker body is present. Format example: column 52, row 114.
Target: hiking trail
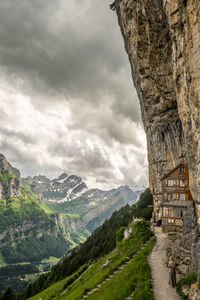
column 160, row 273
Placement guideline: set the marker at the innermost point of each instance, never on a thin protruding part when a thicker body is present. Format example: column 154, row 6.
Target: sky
column 67, row 100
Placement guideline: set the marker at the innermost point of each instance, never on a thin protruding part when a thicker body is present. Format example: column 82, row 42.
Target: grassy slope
column 27, row 208
column 16, row 210
column 136, row 274
column 101, row 242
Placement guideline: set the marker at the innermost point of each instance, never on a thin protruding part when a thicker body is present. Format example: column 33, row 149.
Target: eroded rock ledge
column 162, row 40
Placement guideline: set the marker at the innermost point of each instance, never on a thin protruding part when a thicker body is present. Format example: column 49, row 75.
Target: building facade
column 176, row 196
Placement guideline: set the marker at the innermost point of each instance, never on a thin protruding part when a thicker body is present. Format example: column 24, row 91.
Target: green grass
column 32, row 277
column 51, row 259
column 96, row 274
column 2, row 260
column 45, row 207
column 136, row 276
column 57, row 290
column 6, row 176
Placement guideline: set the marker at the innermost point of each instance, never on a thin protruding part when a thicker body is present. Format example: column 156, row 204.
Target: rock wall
column 162, row 40
column 12, row 186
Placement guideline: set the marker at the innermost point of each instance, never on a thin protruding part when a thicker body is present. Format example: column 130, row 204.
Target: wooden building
column 176, row 196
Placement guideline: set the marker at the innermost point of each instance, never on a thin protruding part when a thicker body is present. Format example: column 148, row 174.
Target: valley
column 42, row 219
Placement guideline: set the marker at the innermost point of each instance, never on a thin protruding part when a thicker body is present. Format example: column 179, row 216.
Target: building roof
column 178, row 203
column 181, row 164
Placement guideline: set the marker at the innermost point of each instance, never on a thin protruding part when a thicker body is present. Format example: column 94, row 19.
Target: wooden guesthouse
column 176, row 196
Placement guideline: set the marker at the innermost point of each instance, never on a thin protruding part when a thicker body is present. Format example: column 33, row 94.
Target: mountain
column 29, row 231
column 64, row 188
column 42, row 218
column 94, row 253
column 69, row 195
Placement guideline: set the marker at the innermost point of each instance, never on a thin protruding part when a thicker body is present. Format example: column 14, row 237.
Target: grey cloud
column 70, row 51
column 19, row 159
column 107, row 125
column 8, row 133
column 73, row 58
column 26, row 162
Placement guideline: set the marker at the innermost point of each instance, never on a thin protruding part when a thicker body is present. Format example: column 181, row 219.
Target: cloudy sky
column 67, row 100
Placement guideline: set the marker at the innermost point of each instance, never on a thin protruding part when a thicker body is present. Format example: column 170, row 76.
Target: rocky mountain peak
column 41, row 179
column 10, row 181
column 5, row 165
column 62, row 176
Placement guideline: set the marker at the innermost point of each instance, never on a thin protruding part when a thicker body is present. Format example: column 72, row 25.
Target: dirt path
column 160, row 273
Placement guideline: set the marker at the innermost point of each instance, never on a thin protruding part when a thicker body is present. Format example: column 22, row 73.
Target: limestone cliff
column 162, row 39
column 10, row 182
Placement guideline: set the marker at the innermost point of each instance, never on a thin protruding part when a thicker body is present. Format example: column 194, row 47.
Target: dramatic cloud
column 66, row 97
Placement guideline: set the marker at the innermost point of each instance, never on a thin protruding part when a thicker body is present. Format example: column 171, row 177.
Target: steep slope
column 27, row 231
column 101, row 242
column 162, row 40
column 33, row 228
column 122, row 278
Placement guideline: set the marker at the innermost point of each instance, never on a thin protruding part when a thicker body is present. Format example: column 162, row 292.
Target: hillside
column 101, row 242
column 28, row 232
column 34, row 229
column 116, row 275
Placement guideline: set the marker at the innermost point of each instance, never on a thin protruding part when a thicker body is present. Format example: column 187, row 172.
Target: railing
column 173, row 221
column 164, row 185
column 165, row 197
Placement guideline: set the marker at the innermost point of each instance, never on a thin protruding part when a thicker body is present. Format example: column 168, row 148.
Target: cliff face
column 10, row 182
column 162, row 39
column 29, row 231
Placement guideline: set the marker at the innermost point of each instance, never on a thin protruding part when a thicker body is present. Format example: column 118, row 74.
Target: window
column 182, row 170
column 165, row 212
column 182, row 197
column 171, row 221
column 170, row 182
column 169, row 197
column 168, row 212
column 181, row 182
column 171, row 211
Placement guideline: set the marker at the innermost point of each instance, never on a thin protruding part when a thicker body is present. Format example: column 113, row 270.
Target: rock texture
column 162, row 39
column 11, row 186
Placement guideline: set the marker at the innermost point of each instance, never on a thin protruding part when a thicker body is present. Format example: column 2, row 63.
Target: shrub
column 189, row 280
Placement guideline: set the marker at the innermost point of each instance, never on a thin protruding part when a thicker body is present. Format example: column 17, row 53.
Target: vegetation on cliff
column 24, row 214
column 6, row 176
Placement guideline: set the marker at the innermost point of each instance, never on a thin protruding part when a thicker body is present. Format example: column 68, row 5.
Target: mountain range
column 40, row 217
column 88, row 208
